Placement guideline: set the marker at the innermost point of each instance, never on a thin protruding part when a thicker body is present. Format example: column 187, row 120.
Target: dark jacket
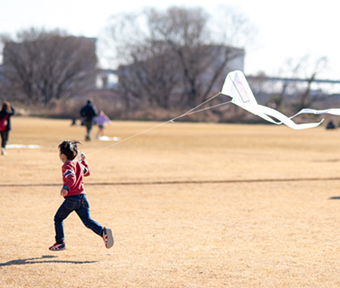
column 88, row 112
column 5, row 112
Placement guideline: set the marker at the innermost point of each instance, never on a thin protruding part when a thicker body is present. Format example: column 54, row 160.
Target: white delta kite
column 237, row 87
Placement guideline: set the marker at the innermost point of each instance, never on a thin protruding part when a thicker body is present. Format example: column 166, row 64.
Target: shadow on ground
column 42, row 259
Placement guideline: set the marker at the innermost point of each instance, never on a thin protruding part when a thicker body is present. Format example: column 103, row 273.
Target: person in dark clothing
column 89, row 113
column 5, row 124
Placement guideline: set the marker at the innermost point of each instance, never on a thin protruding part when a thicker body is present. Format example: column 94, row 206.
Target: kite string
column 189, row 112
column 210, row 107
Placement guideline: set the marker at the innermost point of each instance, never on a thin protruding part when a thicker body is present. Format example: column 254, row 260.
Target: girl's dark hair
column 69, row 148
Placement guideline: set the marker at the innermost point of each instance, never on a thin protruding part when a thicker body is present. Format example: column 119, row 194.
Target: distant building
column 107, row 79
column 215, row 56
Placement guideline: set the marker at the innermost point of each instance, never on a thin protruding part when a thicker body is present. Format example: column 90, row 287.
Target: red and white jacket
column 73, row 177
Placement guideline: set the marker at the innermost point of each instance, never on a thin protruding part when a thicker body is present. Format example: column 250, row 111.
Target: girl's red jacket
column 73, row 176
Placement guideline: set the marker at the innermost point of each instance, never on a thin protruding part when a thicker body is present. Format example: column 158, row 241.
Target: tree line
column 164, row 58
column 173, row 58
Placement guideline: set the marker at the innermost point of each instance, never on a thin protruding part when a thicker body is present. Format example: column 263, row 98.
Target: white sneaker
column 107, row 237
column 3, row 151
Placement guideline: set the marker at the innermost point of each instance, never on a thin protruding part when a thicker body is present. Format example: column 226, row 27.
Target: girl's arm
column 84, row 163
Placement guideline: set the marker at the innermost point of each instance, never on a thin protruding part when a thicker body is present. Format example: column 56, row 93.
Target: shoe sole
column 110, row 241
column 60, row 249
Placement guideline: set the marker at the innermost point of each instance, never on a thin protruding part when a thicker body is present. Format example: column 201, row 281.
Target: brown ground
column 191, row 205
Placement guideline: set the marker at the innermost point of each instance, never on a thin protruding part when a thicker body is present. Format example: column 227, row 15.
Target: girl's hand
column 82, row 157
column 63, row 192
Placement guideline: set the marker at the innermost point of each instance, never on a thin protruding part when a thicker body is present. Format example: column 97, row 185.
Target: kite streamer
column 332, row 111
column 237, row 87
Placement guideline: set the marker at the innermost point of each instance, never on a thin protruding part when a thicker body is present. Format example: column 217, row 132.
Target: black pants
column 89, row 125
column 4, row 138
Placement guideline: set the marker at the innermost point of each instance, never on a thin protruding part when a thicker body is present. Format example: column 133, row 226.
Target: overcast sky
column 286, row 29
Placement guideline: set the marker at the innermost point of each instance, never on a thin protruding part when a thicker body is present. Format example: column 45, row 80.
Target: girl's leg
column 84, row 214
column 4, row 140
column 102, row 131
column 64, row 210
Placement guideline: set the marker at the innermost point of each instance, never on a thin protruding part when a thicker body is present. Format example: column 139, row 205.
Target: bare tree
column 146, row 66
column 304, row 68
column 48, row 65
column 172, row 52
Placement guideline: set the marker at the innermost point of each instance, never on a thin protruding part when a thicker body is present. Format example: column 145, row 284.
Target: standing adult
column 5, row 124
column 88, row 113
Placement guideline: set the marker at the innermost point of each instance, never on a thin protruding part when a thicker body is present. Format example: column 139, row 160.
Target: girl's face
column 62, row 157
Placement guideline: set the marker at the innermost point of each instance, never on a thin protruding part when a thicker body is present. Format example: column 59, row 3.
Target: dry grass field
column 191, row 205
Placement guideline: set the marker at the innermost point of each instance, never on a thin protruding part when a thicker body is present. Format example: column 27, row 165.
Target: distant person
column 74, row 196
column 102, row 119
column 5, row 124
column 74, row 122
column 88, row 113
column 330, row 125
